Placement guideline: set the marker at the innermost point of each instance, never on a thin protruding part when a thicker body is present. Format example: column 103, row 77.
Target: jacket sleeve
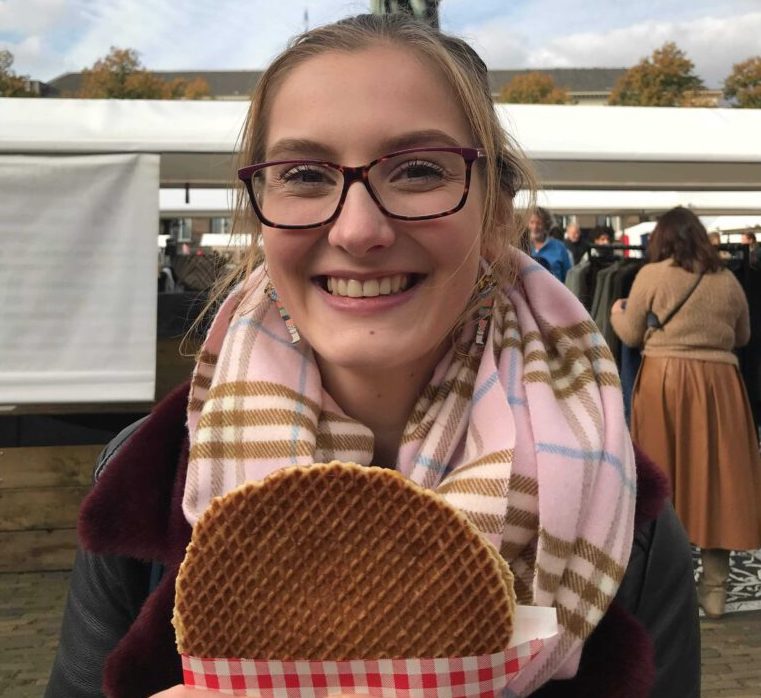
column 631, row 324
column 659, row 589
column 742, row 324
column 105, row 596
column 102, row 604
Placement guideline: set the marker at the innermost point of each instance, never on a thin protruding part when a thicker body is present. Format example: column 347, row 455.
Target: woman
column 690, row 412
column 392, row 322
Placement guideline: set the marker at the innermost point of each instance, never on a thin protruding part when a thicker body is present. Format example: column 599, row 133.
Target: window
column 181, row 229
column 220, row 226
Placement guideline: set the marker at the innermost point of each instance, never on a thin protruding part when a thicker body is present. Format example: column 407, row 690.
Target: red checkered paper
column 459, row 677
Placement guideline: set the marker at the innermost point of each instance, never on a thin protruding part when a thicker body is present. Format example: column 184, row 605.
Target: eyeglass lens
column 411, row 184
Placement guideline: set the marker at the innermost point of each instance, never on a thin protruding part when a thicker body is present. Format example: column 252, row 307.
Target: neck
column 382, row 400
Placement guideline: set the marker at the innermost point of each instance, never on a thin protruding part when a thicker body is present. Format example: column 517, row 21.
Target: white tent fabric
column 721, row 224
column 574, row 147
column 224, row 241
column 620, row 202
column 731, row 223
column 78, row 290
column 634, row 133
column 636, row 231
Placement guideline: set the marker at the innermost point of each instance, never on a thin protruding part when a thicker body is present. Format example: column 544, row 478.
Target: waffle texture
column 340, row 561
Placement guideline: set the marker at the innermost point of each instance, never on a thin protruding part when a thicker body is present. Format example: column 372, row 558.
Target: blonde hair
column 504, row 168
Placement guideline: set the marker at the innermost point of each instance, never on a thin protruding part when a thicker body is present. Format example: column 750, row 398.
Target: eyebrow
column 303, row 147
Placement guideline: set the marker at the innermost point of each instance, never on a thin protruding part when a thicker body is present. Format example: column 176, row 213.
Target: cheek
column 283, row 253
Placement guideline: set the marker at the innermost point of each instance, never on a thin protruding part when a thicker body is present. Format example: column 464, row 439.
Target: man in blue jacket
column 545, row 248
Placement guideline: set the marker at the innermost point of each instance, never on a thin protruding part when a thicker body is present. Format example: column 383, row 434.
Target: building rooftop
column 238, row 84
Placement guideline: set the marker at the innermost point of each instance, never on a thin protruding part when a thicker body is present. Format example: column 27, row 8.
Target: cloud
column 498, row 43
column 713, row 44
column 30, row 16
column 195, row 35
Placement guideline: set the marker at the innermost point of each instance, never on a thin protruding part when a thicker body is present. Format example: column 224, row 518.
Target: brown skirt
column 693, row 419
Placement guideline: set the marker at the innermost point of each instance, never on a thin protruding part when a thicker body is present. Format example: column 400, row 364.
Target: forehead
column 352, row 103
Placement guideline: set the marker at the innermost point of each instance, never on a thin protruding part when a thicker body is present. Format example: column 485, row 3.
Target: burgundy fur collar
column 126, row 515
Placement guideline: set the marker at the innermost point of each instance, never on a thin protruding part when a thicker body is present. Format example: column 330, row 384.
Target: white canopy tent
column 731, row 224
column 647, row 202
column 719, row 224
column 573, row 147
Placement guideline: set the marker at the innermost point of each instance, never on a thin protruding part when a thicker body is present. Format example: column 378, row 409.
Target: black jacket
column 117, row 630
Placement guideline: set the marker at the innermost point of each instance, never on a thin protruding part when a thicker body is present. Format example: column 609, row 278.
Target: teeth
column 371, row 288
column 354, row 288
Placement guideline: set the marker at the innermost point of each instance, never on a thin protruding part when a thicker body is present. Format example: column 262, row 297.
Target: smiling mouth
column 370, row 288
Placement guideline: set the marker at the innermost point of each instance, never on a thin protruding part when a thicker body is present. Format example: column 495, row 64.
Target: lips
column 367, row 288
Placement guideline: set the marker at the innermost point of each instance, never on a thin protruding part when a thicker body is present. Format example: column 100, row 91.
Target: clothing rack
column 615, row 246
column 745, row 250
column 612, row 248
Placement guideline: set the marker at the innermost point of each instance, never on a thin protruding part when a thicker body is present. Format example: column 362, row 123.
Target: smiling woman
column 392, row 322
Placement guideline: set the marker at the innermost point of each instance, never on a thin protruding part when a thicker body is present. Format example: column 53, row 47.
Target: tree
column 120, row 75
column 743, row 85
column 533, row 88
column 12, row 85
column 663, row 80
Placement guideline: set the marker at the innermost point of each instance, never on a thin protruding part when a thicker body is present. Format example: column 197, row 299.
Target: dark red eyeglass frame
column 360, row 174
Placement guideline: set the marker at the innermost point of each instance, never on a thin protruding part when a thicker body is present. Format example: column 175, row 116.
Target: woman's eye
column 305, row 174
column 418, row 169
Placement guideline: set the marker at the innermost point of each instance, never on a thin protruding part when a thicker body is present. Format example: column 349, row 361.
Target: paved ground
column 31, row 605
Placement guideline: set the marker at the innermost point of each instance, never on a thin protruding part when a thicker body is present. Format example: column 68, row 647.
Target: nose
column 361, row 226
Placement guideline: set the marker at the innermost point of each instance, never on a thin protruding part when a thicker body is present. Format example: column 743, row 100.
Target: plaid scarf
column 526, row 436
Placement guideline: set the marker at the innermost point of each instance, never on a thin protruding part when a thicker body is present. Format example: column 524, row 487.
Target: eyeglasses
column 411, row 185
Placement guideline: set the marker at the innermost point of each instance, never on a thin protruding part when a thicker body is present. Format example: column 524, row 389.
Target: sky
column 51, row 37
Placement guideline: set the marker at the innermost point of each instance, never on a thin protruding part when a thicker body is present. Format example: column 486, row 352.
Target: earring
column 289, row 323
column 485, row 295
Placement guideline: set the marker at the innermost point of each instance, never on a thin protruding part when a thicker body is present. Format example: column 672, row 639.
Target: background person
column 715, row 239
column 575, row 243
column 547, row 248
column 749, row 238
column 392, row 322
column 602, row 236
column 690, row 411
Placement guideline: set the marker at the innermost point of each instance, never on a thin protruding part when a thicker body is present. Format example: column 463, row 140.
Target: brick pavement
column 31, row 605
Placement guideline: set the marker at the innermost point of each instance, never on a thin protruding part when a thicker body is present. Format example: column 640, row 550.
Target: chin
column 371, row 356
column 358, row 359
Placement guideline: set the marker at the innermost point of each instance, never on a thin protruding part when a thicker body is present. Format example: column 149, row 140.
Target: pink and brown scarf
column 526, row 435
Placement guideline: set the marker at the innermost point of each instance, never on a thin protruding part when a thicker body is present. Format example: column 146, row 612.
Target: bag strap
column 657, row 324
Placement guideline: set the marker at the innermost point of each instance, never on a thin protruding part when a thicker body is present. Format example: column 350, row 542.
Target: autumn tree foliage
column 665, row 79
column 12, row 85
column 533, row 88
column 120, row 75
column 743, row 85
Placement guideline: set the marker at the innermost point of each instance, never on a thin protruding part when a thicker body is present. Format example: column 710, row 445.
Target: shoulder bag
column 653, row 323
